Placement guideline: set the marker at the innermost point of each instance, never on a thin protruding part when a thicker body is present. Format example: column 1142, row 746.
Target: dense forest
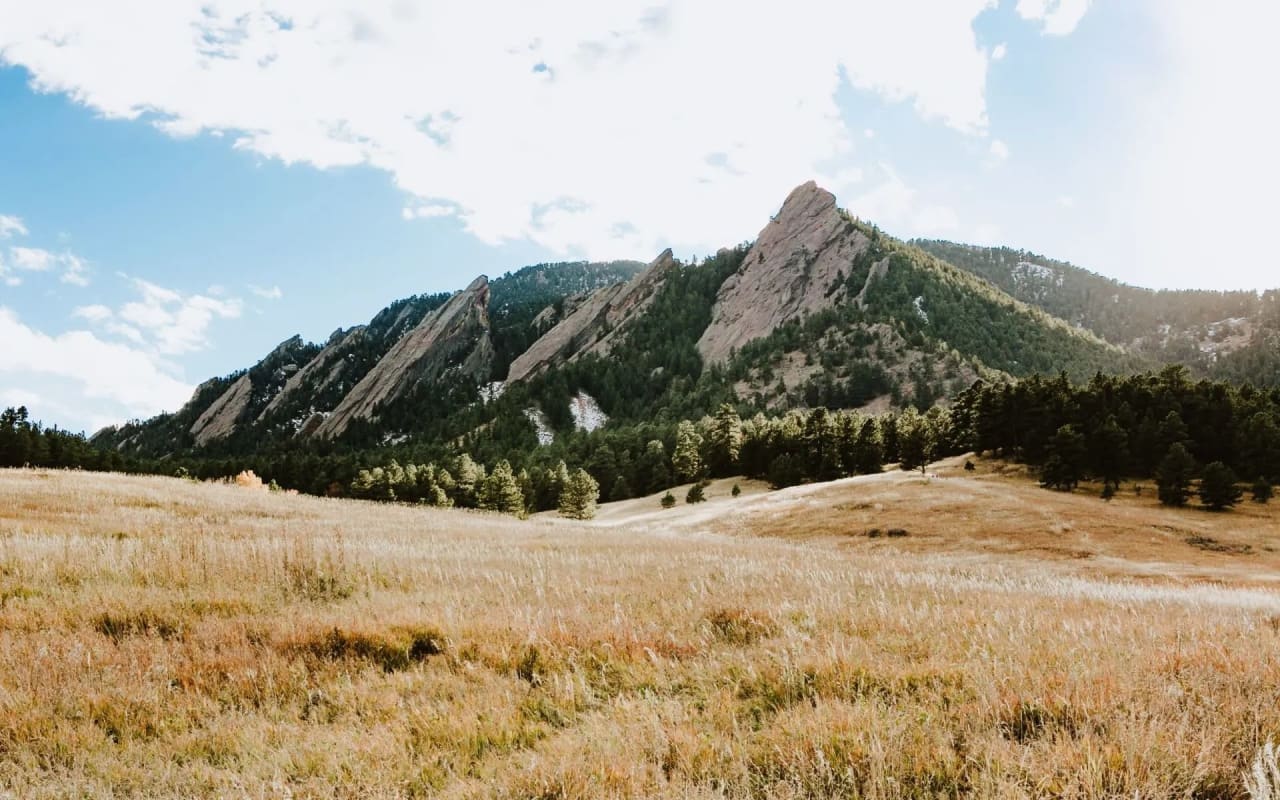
column 1110, row 429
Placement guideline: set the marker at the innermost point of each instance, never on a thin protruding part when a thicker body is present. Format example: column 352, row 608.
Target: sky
column 186, row 183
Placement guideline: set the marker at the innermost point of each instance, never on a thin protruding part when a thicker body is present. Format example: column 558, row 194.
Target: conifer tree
column 1064, row 464
column 578, row 500
column 724, row 441
column 686, row 459
column 1173, row 476
column 1218, row 489
column 1261, row 490
column 500, row 491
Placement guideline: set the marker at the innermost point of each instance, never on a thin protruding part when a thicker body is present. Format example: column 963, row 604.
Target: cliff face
column 795, row 268
column 327, row 366
column 454, row 335
column 595, row 324
column 219, row 419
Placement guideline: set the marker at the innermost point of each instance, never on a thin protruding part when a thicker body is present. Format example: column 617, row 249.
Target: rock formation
column 794, row 268
column 455, row 334
column 219, row 419
column 596, row 324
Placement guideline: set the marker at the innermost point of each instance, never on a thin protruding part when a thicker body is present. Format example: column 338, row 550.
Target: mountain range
column 821, row 309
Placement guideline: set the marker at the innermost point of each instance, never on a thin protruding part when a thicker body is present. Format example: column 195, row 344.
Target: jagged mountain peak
column 794, row 268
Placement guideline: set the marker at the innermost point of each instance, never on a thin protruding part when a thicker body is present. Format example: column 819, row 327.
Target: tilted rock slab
column 597, row 324
column 794, row 268
column 457, row 329
column 219, row 419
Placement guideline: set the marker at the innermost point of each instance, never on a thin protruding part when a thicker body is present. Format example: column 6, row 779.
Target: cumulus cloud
column 11, row 226
column 1056, row 17
column 599, row 128
column 35, row 259
column 126, row 379
column 171, row 322
column 895, row 205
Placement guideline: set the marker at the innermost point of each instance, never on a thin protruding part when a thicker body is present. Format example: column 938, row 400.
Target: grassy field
column 160, row 638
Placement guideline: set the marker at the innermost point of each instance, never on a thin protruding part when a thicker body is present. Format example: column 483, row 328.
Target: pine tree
column 668, row 500
column 651, row 469
column 686, row 460
column 697, row 493
column 1064, row 465
column 915, row 440
column 500, row 491
column 1173, row 476
column 1218, row 488
column 1110, row 455
column 736, row 490
column 621, row 489
column 724, row 441
column 578, row 500
column 868, row 449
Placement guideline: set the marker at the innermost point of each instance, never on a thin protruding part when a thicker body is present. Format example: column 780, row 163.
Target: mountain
column 821, row 309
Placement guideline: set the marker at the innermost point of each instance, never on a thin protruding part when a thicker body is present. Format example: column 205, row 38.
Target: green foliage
column 500, row 491
column 668, row 500
column 686, row 460
column 1261, row 491
column 578, row 500
column 697, row 492
column 1064, row 467
column 1218, row 489
column 1174, row 475
column 736, row 490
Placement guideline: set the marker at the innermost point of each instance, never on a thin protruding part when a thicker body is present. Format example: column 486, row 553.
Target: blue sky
column 185, row 184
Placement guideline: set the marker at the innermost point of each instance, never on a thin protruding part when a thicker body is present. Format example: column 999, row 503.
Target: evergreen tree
column 621, row 489
column 868, row 449
column 915, row 441
column 578, row 500
column 668, row 500
column 1064, row 463
column 724, row 441
column 651, row 469
column 500, row 491
column 1110, row 446
column 697, row 493
column 736, row 490
column 1173, row 476
column 785, row 471
column 1218, row 489
column 686, row 460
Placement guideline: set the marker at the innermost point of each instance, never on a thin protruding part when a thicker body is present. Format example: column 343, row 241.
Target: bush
column 736, row 490
column 668, row 500
column 697, row 493
column 1262, row 490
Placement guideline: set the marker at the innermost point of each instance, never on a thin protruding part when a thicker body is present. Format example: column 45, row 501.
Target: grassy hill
column 193, row 639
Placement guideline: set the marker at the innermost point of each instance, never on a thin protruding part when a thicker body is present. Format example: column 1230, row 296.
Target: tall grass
column 160, row 638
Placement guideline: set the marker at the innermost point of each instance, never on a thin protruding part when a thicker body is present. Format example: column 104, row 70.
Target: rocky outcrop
column 219, row 419
column 454, row 335
column 795, row 267
column 596, row 324
column 324, row 369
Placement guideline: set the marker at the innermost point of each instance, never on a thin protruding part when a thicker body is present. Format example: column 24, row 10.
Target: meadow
column 164, row 638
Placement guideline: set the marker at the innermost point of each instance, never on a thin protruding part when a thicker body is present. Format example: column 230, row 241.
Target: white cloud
column 170, row 322
column 601, row 128
column 92, row 313
column 1056, row 17
column 894, row 205
column 272, row 293
column 1066, row 201
column 31, row 259
column 429, row 210
column 1202, row 206
column 999, row 52
column 124, row 378
column 11, row 226
column 999, row 150
column 34, row 259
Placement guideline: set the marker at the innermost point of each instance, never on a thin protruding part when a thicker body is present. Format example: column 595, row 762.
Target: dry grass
column 160, row 638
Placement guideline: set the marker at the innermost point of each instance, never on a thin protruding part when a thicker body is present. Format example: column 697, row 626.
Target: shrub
column 668, row 500
column 697, row 493
column 1262, row 490
column 1173, row 477
column 736, row 490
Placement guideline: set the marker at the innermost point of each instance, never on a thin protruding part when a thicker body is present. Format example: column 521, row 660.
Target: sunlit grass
column 160, row 638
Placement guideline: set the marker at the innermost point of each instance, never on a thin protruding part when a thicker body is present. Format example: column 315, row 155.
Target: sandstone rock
column 794, row 268
column 597, row 322
column 219, row 419
column 330, row 359
column 455, row 333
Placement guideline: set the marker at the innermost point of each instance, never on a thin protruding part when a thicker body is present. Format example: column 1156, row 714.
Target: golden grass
column 160, row 638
